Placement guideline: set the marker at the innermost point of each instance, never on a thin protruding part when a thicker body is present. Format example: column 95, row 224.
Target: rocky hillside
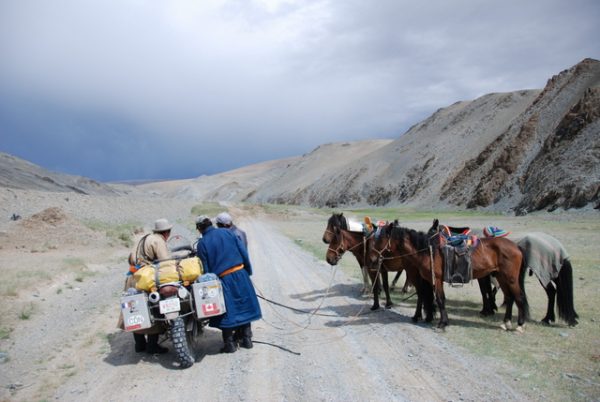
column 20, row 174
column 521, row 151
column 548, row 158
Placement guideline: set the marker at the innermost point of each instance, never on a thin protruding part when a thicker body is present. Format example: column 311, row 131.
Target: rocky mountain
column 20, row 174
column 520, row 151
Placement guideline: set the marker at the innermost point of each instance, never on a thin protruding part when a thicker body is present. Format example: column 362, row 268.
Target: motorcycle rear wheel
column 178, row 337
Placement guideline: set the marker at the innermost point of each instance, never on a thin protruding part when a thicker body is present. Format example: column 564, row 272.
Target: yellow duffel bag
column 186, row 270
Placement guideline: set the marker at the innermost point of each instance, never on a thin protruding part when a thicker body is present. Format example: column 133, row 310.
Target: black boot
column 246, row 339
column 229, row 345
column 140, row 343
column 153, row 346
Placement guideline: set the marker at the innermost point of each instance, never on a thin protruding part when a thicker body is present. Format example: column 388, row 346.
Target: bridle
column 388, row 248
column 341, row 248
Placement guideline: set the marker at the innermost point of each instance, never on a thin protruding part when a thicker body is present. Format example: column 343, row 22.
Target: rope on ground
column 278, row 346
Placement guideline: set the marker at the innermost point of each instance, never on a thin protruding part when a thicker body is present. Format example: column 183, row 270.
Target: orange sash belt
column 231, row 270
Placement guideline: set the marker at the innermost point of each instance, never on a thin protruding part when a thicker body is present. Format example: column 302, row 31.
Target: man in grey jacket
column 224, row 221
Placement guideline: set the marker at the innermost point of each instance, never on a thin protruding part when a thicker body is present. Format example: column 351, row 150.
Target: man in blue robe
column 222, row 253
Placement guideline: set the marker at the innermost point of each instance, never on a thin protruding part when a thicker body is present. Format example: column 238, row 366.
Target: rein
column 343, row 248
column 381, row 259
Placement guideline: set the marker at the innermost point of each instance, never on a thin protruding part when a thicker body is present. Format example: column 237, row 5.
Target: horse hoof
column 373, row 308
column 507, row 326
column 414, row 319
column 520, row 329
column 388, row 306
column 545, row 322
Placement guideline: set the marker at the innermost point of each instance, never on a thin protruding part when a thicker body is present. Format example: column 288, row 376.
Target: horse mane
column 418, row 239
column 338, row 221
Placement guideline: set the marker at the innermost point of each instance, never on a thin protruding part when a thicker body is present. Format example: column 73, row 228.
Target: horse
column 338, row 222
column 493, row 255
column 546, row 257
column 341, row 240
column 488, row 293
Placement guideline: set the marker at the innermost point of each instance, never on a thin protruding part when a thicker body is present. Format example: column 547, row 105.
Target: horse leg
column 395, row 280
column 386, row 289
column 375, row 280
column 514, row 294
column 485, row 287
column 508, row 303
column 366, row 282
column 440, row 299
column 427, row 294
column 418, row 311
column 551, row 293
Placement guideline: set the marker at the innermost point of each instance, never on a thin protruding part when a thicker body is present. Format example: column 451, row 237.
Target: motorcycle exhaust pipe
column 154, row 297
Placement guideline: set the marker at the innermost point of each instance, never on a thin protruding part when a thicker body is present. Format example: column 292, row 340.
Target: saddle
column 456, row 245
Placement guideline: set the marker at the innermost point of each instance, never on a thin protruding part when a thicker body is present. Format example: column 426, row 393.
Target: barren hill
column 21, row 174
column 521, row 151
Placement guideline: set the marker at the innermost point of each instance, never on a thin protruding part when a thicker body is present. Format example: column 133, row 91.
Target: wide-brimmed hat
column 161, row 225
column 224, row 218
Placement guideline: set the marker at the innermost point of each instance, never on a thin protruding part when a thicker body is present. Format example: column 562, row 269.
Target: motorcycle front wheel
column 178, row 337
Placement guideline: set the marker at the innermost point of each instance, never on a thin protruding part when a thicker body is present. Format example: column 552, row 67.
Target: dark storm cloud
column 141, row 89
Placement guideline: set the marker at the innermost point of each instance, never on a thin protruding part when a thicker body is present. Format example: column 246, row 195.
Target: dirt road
column 340, row 352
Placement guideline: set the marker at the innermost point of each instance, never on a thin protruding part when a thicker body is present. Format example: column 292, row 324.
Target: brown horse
column 494, row 255
column 357, row 243
column 488, row 293
column 341, row 240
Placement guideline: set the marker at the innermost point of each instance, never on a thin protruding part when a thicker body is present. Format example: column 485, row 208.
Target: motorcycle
column 182, row 307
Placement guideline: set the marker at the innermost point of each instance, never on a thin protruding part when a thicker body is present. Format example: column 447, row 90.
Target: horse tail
column 522, row 286
column 564, row 294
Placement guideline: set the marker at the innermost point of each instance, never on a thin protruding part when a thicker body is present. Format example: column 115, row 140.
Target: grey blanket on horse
column 544, row 255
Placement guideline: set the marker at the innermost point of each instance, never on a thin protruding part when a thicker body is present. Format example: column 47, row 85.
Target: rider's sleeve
column 201, row 252
column 244, row 252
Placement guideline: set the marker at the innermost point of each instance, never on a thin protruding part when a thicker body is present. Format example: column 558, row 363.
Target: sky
column 122, row 90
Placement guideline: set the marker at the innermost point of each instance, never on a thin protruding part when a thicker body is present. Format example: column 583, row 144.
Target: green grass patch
column 26, row 312
column 5, row 333
column 78, row 267
column 118, row 234
column 412, row 214
column 21, row 279
column 209, row 209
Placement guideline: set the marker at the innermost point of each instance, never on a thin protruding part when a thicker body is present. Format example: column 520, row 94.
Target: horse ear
column 436, row 222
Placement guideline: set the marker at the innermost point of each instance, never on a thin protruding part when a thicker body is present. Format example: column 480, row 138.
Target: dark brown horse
column 341, row 240
column 494, row 255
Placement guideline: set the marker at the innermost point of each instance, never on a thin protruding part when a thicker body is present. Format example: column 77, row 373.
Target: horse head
column 434, row 227
column 335, row 222
column 337, row 246
column 381, row 242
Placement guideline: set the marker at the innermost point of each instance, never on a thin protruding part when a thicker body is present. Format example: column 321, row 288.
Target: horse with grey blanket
column 546, row 257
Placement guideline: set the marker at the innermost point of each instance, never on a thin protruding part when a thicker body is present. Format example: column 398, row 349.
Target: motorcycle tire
column 180, row 345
